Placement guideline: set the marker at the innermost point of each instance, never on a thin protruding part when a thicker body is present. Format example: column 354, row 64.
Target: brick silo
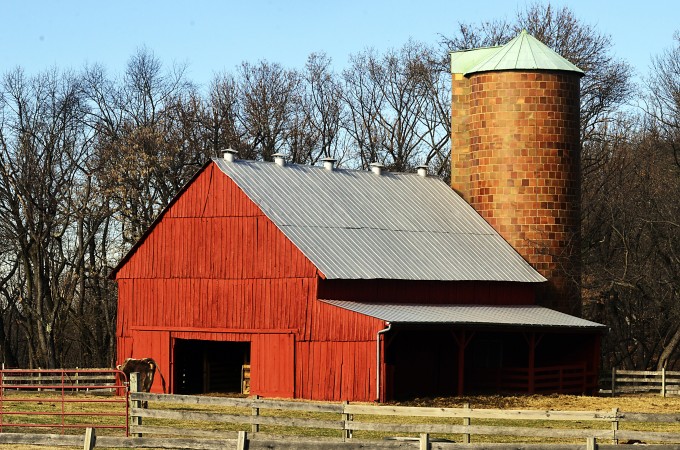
column 516, row 155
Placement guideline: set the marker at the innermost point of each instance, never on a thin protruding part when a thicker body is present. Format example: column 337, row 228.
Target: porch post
column 532, row 363
column 461, row 362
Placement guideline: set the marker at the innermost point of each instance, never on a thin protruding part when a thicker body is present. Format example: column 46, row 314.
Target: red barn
column 329, row 284
column 339, row 285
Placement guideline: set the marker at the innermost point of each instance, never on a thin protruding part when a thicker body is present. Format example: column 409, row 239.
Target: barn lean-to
column 337, row 284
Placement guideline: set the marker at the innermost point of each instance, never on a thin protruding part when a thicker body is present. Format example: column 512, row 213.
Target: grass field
column 650, row 404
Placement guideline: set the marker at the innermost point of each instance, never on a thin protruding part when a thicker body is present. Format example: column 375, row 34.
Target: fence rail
column 664, row 382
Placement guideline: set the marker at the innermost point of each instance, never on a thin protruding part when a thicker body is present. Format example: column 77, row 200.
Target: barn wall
column 442, row 292
column 336, row 371
column 154, row 344
column 214, row 267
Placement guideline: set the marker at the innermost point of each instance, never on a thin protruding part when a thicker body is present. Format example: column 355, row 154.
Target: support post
column 532, row 363
column 461, row 363
column 241, row 440
column 134, row 388
column 591, row 444
column 255, row 412
column 615, row 426
column 613, row 381
column 90, row 439
column 346, row 433
column 424, row 441
column 663, row 381
column 466, row 422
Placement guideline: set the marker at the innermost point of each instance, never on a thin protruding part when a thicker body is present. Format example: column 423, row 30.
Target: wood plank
column 649, row 417
column 231, row 418
column 479, row 413
column 56, row 440
column 480, row 430
column 655, row 436
column 239, row 402
column 189, row 432
column 164, row 443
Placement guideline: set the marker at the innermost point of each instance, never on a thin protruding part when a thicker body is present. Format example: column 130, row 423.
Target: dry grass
column 649, row 404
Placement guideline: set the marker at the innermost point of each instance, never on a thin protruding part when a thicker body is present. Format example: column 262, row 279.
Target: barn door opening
column 421, row 363
column 210, row 366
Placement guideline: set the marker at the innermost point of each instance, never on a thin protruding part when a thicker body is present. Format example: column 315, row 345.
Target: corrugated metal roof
column 522, row 52
column 354, row 224
column 491, row 315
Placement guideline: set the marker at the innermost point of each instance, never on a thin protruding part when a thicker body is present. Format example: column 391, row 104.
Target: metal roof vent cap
column 376, row 168
column 229, row 154
column 422, row 170
column 279, row 159
column 329, row 163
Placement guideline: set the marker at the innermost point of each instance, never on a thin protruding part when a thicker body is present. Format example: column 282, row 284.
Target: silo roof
column 524, row 52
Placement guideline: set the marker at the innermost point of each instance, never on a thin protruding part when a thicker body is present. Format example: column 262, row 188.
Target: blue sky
column 213, row 36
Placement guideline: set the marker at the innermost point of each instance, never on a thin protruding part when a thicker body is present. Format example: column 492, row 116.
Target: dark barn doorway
column 210, row 366
column 421, row 363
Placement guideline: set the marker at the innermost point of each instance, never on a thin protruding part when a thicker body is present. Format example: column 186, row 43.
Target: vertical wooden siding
column 334, row 371
column 272, row 365
column 215, row 261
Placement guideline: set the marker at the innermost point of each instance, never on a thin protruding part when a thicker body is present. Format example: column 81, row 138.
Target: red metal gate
column 63, row 399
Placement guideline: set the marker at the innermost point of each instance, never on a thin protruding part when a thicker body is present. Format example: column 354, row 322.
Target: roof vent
column 229, row 154
column 422, row 170
column 376, row 168
column 329, row 163
column 279, row 159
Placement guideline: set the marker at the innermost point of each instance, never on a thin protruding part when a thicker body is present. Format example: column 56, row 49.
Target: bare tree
column 42, row 146
column 396, row 113
column 323, row 108
column 267, row 95
column 149, row 139
column 663, row 99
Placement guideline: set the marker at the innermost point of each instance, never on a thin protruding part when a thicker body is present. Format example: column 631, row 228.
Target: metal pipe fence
column 63, row 399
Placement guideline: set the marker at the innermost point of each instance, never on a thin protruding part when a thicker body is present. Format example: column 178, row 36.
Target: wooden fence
column 201, row 422
column 664, row 382
column 454, row 424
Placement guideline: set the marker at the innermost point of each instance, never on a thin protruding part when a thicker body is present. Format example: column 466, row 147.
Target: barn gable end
column 215, row 268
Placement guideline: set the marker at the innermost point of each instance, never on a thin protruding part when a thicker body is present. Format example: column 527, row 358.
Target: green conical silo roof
column 524, row 52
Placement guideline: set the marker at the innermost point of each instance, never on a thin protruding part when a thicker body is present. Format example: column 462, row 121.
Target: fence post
column 346, row 433
column 613, row 381
column 424, row 441
column 90, row 439
column 466, row 422
column 241, row 440
column 254, row 412
column 663, row 381
column 591, row 444
column 134, row 388
column 615, row 425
